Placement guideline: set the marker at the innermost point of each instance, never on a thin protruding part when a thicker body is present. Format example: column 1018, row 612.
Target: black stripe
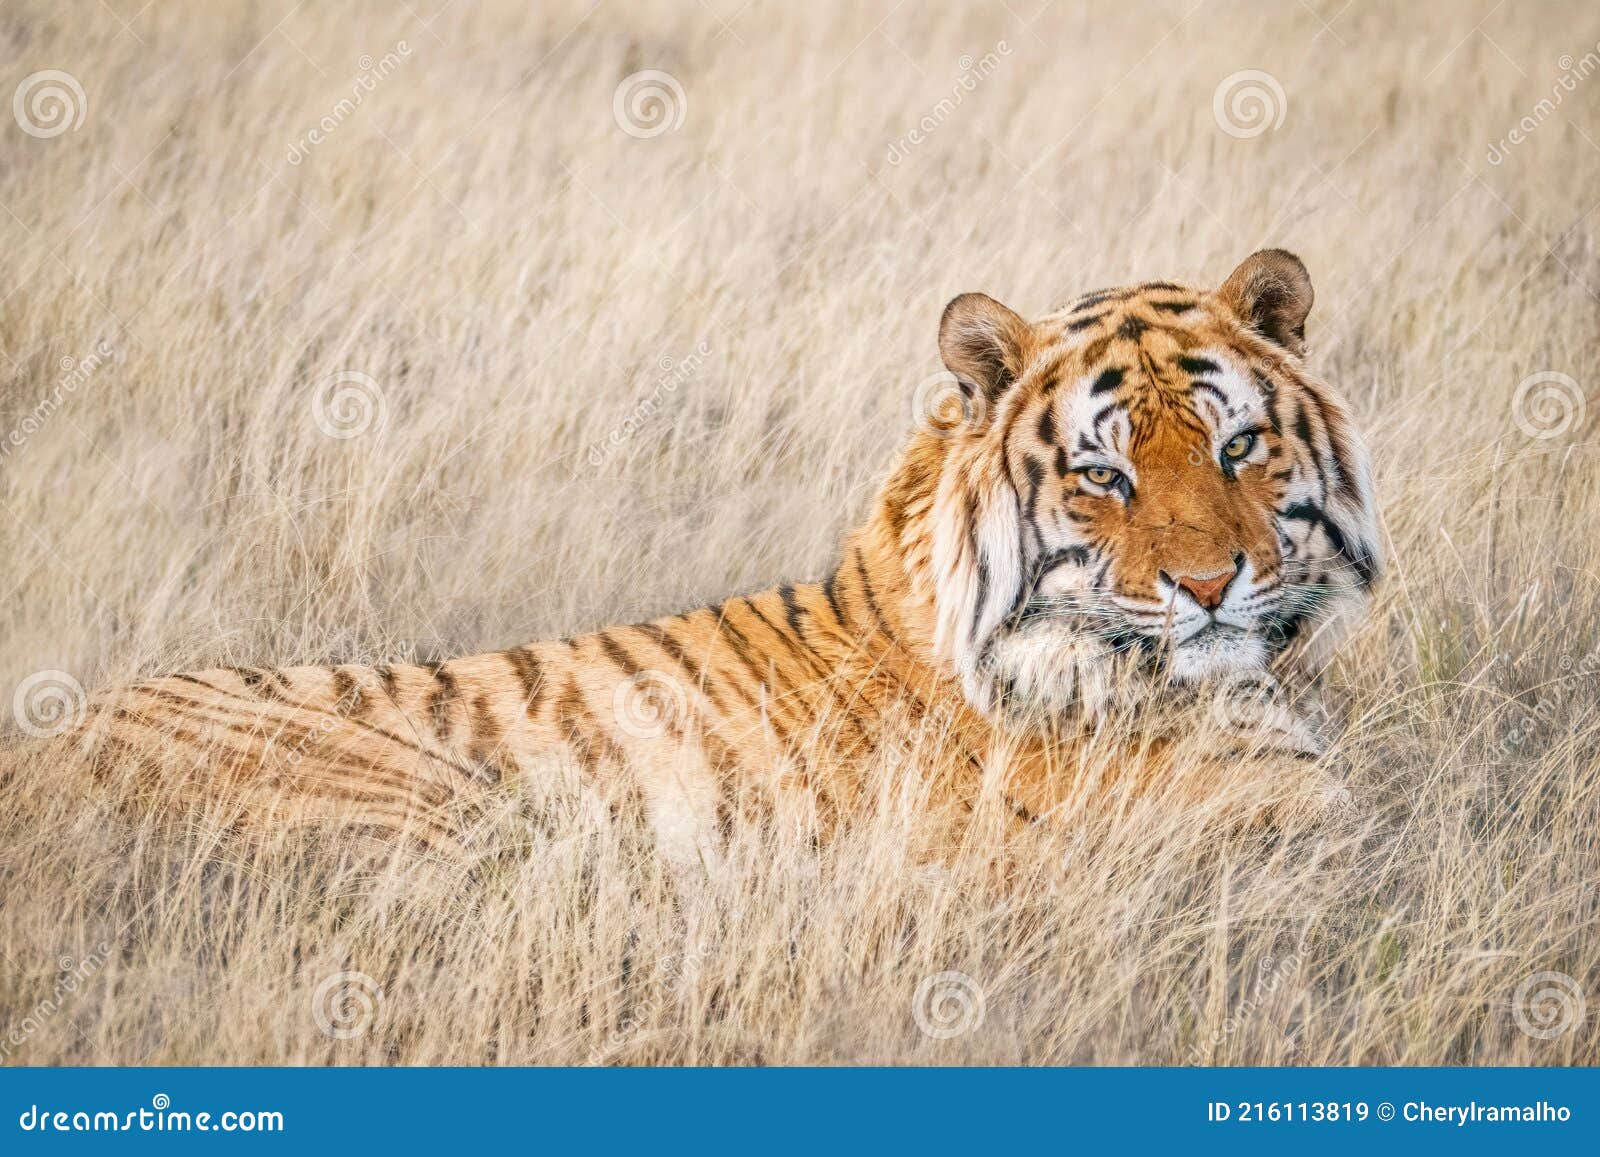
column 1050, row 376
column 1306, row 512
column 530, row 672
column 1274, row 397
column 1084, row 323
column 1106, row 382
column 1113, row 408
column 825, row 677
column 616, row 654
column 1344, row 482
column 872, row 602
column 1034, row 469
column 830, row 595
column 346, row 691
column 622, row 658
column 740, row 645
column 391, row 682
column 792, row 611
column 444, row 694
column 1070, row 555
column 276, row 685
column 983, row 591
column 1197, row 366
column 1282, row 632
column 1090, row 300
column 802, row 650
column 253, row 728
column 1302, row 428
column 809, row 657
column 264, row 684
column 572, row 712
column 669, row 643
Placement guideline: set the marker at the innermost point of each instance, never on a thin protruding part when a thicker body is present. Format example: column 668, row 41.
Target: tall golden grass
column 510, row 270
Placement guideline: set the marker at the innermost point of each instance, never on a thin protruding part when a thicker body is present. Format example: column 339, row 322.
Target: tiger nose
column 1207, row 589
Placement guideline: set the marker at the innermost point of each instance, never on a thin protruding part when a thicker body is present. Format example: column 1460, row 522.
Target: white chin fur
column 1215, row 656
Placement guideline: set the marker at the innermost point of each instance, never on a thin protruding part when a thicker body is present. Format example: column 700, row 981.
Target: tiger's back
column 701, row 718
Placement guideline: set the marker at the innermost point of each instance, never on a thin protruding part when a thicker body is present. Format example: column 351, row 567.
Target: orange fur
column 927, row 625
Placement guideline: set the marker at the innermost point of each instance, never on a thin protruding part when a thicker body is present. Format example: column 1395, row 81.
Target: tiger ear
column 1271, row 293
column 984, row 344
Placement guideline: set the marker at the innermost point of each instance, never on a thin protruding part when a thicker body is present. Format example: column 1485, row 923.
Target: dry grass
column 482, row 240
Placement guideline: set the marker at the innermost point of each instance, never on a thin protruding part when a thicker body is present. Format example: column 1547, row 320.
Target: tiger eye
column 1100, row 475
column 1238, row 446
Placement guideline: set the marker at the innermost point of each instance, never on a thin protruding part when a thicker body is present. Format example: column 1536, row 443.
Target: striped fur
column 1011, row 566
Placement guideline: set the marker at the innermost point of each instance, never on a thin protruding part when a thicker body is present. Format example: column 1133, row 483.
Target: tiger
column 1142, row 492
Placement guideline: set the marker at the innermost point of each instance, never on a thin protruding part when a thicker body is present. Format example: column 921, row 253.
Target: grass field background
column 349, row 332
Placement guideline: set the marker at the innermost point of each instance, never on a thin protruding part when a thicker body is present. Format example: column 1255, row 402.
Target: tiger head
column 1147, row 479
